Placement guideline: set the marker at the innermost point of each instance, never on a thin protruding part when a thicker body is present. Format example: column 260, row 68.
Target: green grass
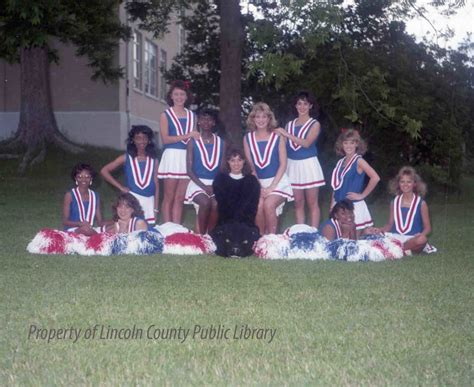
column 407, row 322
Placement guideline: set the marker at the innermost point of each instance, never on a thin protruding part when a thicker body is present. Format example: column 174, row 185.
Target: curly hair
column 182, row 85
column 261, row 107
column 345, row 204
column 307, row 96
column 232, row 152
column 131, row 201
column 150, row 149
column 419, row 187
column 350, row 134
column 79, row 167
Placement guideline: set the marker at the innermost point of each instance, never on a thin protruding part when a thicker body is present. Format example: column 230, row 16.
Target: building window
column 163, row 68
column 151, row 68
column 137, row 60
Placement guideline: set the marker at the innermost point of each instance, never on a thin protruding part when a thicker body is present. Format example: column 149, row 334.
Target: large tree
column 28, row 31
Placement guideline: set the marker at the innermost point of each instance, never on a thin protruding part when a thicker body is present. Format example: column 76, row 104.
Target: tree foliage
column 93, row 27
column 411, row 100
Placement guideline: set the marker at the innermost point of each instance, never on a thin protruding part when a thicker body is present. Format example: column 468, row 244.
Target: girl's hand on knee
column 265, row 192
column 209, row 191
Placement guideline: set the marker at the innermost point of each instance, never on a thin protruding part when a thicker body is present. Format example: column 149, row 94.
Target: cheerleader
column 266, row 151
column 409, row 215
column 128, row 215
column 203, row 159
column 348, row 177
column 341, row 222
column 141, row 168
column 81, row 205
column 303, row 169
column 177, row 127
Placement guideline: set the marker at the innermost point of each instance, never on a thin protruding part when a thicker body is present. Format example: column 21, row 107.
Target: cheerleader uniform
column 139, row 175
column 334, row 224
column 206, row 162
column 132, row 225
column 303, row 168
column 407, row 221
column 346, row 179
column 83, row 211
column 173, row 159
column 266, row 158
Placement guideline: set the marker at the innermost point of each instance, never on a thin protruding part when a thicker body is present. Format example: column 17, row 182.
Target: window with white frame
column 151, row 68
column 163, row 68
column 137, row 60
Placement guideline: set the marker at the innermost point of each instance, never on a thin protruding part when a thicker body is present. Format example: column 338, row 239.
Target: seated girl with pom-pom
column 341, row 222
column 81, row 205
column 127, row 215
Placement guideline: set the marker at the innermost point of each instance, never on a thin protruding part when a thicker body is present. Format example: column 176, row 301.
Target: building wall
column 91, row 112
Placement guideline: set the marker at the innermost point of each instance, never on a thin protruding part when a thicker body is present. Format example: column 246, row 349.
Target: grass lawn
column 408, row 322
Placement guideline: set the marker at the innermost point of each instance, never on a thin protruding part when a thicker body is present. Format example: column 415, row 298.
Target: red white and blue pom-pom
column 50, row 241
column 138, row 243
column 170, row 228
column 272, row 246
column 188, row 244
column 308, row 243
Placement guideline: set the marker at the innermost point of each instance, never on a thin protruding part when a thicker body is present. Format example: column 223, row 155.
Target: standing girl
column 141, row 168
column 203, row 159
column 409, row 215
column 266, row 151
column 81, row 205
column 348, row 177
column 303, row 169
column 178, row 126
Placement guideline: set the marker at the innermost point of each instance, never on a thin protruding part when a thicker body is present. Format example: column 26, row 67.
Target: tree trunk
column 232, row 41
column 37, row 126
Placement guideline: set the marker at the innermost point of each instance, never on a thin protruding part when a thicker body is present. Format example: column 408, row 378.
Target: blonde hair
column 350, row 134
column 419, row 187
column 261, row 107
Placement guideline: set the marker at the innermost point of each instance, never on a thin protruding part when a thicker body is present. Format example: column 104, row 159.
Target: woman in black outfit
column 237, row 190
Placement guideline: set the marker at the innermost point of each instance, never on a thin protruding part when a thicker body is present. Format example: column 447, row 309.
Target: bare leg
column 299, row 205
column 178, row 200
column 270, row 204
column 212, row 216
column 197, row 230
column 168, row 195
column 260, row 218
column 205, row 205
column 312, row 197
column 415, row 244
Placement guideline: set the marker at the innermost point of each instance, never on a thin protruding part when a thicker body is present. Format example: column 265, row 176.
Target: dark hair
column 131, row 201
column 207, row 112
column 342, row 205
column 233, row 151
column 182, row 85
column 82, row 167
column 150, row 149
column 310, row 98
